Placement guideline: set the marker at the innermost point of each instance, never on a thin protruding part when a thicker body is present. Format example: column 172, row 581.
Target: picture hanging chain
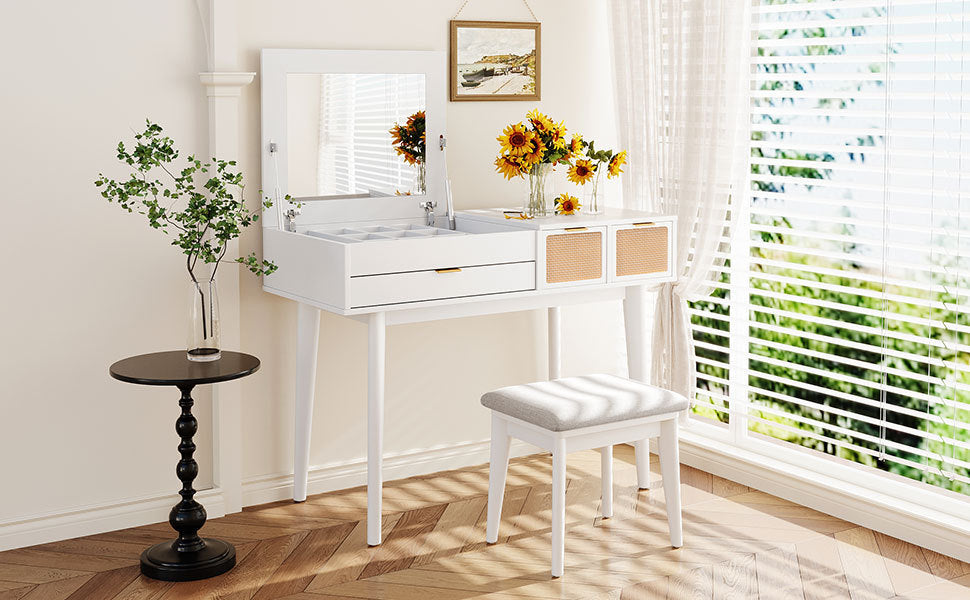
column 526, row 2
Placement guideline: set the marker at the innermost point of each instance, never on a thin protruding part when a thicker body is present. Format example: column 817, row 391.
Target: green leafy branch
column 600, row 156
column 201, row 205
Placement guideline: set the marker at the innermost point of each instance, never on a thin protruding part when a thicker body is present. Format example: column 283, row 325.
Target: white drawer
column 418, row 286
column 419, row 254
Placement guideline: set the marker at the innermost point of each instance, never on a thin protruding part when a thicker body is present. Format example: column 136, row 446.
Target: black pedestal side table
column 189, row 557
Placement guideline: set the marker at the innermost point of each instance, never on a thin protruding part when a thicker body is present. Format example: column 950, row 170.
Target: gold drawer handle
column 575, row 229
column 451, row 270
column 646, row 224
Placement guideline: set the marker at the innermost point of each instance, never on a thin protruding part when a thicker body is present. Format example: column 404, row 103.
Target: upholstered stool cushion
column 575, row 402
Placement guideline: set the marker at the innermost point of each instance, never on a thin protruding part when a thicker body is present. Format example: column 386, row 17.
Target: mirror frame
column 276, row 64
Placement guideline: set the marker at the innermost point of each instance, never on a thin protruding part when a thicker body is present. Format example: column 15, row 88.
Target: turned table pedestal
column 189, row 556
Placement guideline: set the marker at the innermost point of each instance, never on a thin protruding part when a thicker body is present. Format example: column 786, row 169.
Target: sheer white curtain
column 682, row 73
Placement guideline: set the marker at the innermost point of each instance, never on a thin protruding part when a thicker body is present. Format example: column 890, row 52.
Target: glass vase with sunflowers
column 408, row 141
column 589, row 170
column 533, row 149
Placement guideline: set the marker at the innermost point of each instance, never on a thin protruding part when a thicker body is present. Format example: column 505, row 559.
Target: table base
column 161, row 561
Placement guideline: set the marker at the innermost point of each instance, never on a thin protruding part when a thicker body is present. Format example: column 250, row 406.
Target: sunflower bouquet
column 533, row 148
column 408, row 141
column 591, row 166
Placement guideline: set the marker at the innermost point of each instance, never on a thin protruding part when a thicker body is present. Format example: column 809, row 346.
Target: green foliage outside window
column 842, row 299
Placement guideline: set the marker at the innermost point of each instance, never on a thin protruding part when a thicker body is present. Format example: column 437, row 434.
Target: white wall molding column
column 222, row 92
column 223, row 85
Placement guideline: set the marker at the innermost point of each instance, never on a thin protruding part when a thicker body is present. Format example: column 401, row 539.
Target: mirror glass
column 355, row 135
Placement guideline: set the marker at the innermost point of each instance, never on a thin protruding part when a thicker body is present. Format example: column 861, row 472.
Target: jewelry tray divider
column 354, row 235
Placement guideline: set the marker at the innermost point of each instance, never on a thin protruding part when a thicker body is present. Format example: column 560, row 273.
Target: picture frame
column 495, row 60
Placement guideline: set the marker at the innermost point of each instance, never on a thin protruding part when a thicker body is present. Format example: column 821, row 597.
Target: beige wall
column 86, row 284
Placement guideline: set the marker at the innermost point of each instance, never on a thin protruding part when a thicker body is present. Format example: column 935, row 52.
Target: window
column 356, row 113
column 840, row 324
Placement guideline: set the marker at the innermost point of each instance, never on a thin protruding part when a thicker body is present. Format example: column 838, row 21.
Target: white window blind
column 841, row 324
column 356, row 113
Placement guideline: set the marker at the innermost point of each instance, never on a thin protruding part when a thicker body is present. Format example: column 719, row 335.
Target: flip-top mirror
column 351, row 134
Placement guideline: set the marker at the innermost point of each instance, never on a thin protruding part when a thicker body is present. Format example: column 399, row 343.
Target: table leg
column 635, row 326
column 555, row 342
column 634, row 319
column 376, row 329
column 307, row 345
column 189, row 557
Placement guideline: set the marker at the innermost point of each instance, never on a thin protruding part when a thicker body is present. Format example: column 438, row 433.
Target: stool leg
column 670, row 469
column 558, row 506
column 606, row 473
column 497, row 470
column 642, row 453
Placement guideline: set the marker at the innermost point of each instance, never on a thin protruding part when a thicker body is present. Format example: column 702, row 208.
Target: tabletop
column 174, row 368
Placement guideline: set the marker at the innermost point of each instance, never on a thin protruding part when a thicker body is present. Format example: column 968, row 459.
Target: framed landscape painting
column 495, row 60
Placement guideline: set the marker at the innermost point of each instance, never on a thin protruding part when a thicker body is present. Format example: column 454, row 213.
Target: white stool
column 579, row 413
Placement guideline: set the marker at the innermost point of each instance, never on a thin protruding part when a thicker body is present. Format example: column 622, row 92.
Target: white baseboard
column 327, row 478
column 133, row 512
column 891, row 515
column 89, row 520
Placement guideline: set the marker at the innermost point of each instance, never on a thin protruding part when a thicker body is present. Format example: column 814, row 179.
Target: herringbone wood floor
column 739, row 543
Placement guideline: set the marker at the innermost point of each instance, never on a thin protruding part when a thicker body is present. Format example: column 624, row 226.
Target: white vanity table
column 368, row 254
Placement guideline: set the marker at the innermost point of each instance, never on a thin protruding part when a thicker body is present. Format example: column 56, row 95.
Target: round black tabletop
column 174, row 368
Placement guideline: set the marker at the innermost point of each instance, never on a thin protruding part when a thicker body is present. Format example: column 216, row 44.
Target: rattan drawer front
column 642, row 251
column 576, row 256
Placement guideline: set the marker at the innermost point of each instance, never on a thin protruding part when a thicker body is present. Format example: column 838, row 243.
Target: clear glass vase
column 538, row 184
column 421, row 179
column 594, row 192
column 203, row 342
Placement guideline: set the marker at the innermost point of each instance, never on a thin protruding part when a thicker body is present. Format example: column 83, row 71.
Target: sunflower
column 540, row 122
column 581, row 172
column 409, row 157
column 415, row 117
column 516, row 139
column 558, row 133
column 567, row 205
column 536, row 152
column 576, row 145
column 509, row 166
column 397, row 134
column 574, row 149
column 618, row 160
